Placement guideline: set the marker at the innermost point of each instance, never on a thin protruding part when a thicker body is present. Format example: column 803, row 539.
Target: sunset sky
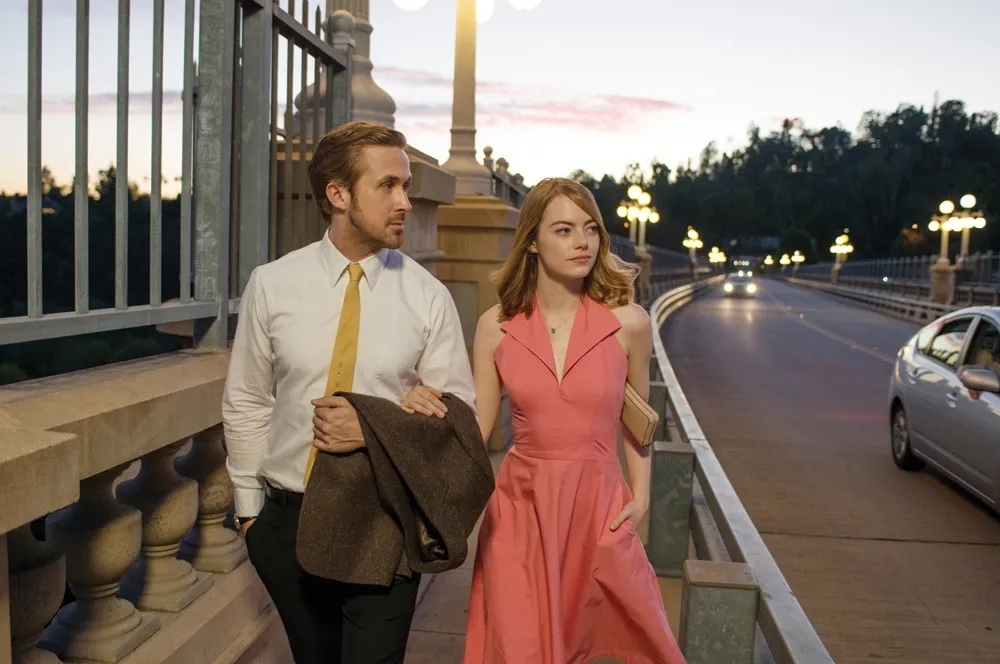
column 571, row 84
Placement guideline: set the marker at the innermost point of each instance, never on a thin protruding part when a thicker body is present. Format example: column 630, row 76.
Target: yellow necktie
column 345, row 348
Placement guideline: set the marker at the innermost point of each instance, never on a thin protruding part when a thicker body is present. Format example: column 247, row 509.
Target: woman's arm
column 638, row 338
column 484, row 370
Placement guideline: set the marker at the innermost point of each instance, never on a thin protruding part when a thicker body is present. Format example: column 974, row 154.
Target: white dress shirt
column 410, row 331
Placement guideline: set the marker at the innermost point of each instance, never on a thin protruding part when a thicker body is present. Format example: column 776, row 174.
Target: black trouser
column 327, row 622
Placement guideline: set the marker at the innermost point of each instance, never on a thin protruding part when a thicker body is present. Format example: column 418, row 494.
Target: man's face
column 379, row 203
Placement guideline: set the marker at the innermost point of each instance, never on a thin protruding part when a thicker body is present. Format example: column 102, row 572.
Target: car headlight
column 752, row 288
column 728, row 288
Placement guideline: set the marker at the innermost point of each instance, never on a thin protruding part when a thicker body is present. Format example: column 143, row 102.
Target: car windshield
column 738, row 279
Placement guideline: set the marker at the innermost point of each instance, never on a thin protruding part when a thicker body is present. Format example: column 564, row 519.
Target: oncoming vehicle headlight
column 728, row 288
column 752, row 288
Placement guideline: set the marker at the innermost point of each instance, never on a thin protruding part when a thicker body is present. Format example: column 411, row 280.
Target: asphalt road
column 791, row 391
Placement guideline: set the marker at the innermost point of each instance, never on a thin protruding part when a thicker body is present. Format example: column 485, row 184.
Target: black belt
column 282, row 497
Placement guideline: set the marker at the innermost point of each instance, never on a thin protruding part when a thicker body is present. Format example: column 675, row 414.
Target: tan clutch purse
column 638, row 417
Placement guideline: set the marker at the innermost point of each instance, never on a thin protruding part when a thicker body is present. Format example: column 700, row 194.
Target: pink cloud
column 100, row 103
column 506, row 104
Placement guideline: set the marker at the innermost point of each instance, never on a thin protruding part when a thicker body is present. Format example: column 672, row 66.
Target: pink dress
column 552, row 584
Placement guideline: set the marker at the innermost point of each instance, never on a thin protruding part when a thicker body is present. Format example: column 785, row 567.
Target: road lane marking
column 851, row 344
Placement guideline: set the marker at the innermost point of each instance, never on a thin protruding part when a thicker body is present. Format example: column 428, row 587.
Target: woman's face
column 567, row 240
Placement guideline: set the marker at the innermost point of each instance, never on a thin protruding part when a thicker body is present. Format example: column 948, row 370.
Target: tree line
column 55, row 356
column 806, row 185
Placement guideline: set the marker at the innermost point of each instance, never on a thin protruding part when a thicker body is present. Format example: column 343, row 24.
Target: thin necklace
column 552, row 330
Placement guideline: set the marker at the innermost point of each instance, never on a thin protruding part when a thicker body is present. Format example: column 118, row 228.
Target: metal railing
column 979, row 269
column 721, row 527
column 230, row 185
column 910, row 308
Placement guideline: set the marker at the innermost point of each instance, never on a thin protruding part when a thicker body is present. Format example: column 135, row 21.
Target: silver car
column 944, row 399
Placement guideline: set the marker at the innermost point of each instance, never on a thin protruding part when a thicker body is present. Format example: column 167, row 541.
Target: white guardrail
column 720, row 526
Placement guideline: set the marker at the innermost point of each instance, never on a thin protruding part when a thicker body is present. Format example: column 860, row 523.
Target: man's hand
column 634, row 510
column 335, row 426
column 245, row 526
column 424, row 399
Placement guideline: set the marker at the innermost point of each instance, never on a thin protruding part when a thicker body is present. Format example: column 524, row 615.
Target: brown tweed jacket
column 407, row 500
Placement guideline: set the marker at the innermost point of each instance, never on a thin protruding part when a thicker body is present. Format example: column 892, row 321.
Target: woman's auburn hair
column 611, row 280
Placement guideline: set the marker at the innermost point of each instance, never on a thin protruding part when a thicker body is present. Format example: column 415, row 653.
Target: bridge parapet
column 735, row 599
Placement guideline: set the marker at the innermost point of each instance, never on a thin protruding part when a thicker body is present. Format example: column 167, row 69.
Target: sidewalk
column 438, row 632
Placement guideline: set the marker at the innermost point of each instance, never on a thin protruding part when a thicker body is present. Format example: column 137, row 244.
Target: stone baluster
column 159, row 581
column 210, row 546
column 37, row 573
column 101, row 540
column 502, row 166
column 488, row 158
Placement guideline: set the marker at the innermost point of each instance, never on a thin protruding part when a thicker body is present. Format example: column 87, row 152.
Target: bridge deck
column 792, row 391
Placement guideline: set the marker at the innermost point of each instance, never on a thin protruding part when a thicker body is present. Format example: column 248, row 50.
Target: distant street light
column 768, row 260
column 693, row 243
column 636, row 211
column 949, row 220
column 841, row 247
column 716, row 257
column 785, row 260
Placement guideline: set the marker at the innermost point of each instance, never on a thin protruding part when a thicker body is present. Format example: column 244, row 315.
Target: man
column 391, row 329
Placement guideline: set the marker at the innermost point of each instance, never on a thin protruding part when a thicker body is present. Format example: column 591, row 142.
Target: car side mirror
column 980, row 380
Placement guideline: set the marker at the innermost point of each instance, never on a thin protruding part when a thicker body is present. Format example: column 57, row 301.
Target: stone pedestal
column 432, row 187
column 101, row 539
column 834, row 274
column 159, row 581
column 210, row 546
column 671, row 484
column 476, row 234
column 942, row 282
column 37, row 577
column 718, row 613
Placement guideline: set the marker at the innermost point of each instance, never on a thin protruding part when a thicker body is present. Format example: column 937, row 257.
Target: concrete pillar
column 718, row 613
column 671, row 485
column 101, row 540
column 942, row 282
column 473, row 177
column 159, row 581
column 37, row 582
column 210, row 546
column 369, row 101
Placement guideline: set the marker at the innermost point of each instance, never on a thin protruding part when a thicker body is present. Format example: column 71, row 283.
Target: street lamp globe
column 946, row 207
column 485, row 10
column 654, row 217
column 634, row 192
column 968, row 201
column 411, row 5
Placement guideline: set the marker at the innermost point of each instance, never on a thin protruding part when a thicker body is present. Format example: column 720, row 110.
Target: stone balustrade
column 114, row 496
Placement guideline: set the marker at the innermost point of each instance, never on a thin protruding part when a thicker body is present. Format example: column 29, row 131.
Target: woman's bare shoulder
column 632, row 317
column 488, row 326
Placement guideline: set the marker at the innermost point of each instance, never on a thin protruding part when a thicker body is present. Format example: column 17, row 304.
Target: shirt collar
column 336, row 263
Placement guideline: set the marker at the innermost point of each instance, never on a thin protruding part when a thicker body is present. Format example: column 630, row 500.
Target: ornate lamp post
column 717, row 257
column 636, row 211
column 840, row 248
column 472, row 176
column 693, row 243
column 963, row 220
column 797, row 259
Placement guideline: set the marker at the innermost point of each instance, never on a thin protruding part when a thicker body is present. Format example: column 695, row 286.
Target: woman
column 560, row 575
